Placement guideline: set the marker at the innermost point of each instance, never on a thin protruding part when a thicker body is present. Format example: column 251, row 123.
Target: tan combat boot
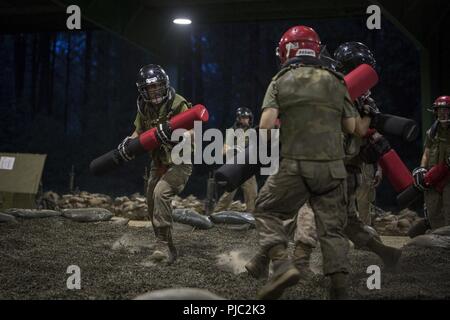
column 258, row 266
column 164, row 237
column 285, row 274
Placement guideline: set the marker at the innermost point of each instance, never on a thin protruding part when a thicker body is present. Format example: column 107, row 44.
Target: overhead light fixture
column 183, row 21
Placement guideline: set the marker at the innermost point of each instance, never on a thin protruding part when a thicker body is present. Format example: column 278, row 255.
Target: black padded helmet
column 153, row 84
column 243, row 112
column 350, row 55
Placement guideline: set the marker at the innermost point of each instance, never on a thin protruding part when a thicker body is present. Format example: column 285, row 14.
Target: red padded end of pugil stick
column 184, row 120
column 360, row 81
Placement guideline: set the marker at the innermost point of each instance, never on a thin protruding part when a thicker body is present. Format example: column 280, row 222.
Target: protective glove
column 378, row 178
column 419, row 178
column 368, row 108
column 375, row 149
column 164, row 134
column 123, row 152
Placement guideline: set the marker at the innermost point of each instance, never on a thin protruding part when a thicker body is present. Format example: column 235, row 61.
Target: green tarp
column 20, row 175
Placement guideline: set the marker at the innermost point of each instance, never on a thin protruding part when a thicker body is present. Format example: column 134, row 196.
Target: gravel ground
column 114, row 263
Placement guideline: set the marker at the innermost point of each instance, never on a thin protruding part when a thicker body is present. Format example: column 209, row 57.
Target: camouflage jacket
column 438, row 141
column 312, row 100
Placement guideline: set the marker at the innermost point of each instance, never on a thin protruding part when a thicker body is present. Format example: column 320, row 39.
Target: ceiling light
column 182, row 21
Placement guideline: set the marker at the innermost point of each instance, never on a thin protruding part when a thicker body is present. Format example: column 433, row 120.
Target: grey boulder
column 191, row 218
column 6, row 218
column 233, row 217
column 87, row 215
column 32, row 213
column 439, row 238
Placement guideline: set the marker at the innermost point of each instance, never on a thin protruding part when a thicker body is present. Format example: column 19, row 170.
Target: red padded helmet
column 443, row 101
column 441, row 108
column 298, row 41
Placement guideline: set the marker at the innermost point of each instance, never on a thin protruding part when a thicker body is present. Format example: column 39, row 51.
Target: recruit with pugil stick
column 231, row 176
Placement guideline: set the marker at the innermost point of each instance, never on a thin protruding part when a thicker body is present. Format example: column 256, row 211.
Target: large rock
column 444, row 231
column 32, row 213
column 49, row 200
column 179, row 294
column 408, row 214
column 75, row 199
column 120, row 200
column 138, row 198
column 191, row 218
column 440, row 238
column 190, row 202
column 6, row 218
column 95, row 202
column 418, row 228
column 233, row 217
column 87, row 215
column 131, row 209
column 85, row 200
column 400, row 224
column 404, row 224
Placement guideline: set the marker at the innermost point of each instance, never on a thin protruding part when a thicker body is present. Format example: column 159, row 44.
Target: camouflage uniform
column 249, row 187
column 304, row 227
column 366, row 193
column 312, row 102
column 438, row 205
column 305, row 230
column 355, row 229
column 354, row 165
column 166, row 179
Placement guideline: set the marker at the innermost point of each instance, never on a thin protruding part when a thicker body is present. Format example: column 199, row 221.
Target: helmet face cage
column 441, row 112
column 154, row 92
column 244, row 113
column 153, row 84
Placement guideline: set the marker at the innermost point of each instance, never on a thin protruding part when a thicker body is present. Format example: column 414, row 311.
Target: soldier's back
column 312, row 102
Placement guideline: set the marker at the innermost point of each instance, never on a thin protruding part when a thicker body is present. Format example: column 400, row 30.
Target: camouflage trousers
column 250, row 190
column 305, row 231
column 365, row 194
column 355, row 230
column 163, row 185
column 438, row 207
column 323, row 185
